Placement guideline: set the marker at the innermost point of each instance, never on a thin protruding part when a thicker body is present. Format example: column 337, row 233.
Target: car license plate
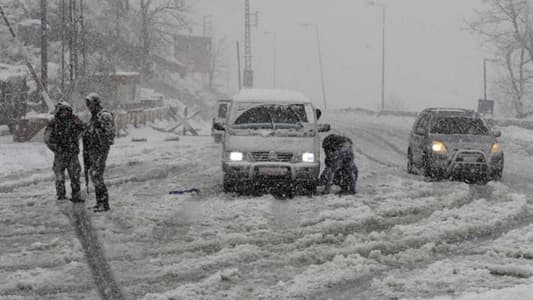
column 273, row 171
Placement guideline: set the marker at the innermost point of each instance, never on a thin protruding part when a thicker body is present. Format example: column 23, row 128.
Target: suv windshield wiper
column 271, row 120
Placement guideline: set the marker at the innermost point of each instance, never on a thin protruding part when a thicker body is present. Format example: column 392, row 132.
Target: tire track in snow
column 470, row 241
column 94, row 253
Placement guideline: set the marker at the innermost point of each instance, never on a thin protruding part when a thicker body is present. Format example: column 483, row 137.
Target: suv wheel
column 497, row 175
column 228, row 186
column 427, row 166
column 410, row 169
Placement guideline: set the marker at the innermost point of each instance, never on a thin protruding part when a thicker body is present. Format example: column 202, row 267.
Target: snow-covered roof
column 32, row 23
column 11, row 72
column 278, row 96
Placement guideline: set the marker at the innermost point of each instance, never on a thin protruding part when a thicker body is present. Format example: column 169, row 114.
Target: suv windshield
column 271, row 116
column 459, row 125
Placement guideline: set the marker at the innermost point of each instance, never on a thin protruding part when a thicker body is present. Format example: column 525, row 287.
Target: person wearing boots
column 62, row 136
column 97, row 140
column 340, row 166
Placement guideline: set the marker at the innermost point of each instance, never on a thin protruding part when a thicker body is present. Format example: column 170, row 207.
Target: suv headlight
column 496, row 148
column 236, row 156
column 438, row 147
column 308, row 157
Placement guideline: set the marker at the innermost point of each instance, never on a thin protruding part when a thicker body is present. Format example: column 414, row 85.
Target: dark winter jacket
column 100, row 131
column 63, row 132
column 331, row 144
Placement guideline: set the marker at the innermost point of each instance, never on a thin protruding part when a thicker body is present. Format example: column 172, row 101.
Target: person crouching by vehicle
column 340, row 166
column 97, row 140
column 62, row 137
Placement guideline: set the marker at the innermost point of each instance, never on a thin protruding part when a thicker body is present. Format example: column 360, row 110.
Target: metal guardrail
column 526, row 123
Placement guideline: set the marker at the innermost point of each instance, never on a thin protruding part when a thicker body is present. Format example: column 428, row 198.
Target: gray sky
column 432, row 60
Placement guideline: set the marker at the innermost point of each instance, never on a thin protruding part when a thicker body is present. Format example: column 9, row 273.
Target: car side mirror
column 420, row 131
column 324, row 127
column 496, row 133
column 318, row 114
column 218, row 126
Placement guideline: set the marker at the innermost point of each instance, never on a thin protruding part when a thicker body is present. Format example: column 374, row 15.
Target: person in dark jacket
column 97, row 140
column 62, row 137
column 340, row 166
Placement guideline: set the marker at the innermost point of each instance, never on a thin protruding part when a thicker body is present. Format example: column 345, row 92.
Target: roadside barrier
column 139, row 117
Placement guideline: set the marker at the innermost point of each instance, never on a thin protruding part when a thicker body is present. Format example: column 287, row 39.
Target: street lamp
column 317, row 31
column 274, row 67
column 485, row 60
column 384, row 13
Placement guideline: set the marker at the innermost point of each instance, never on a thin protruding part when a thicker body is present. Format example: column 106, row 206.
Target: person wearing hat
column 97, row 140
column 62, row 136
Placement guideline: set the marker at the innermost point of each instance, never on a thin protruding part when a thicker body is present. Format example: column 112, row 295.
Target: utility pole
column 274, row 58
column 83, row 39
column 248, row 76
column 63, row 25
column 239, row 65
column 207, row 26
column 44, row 46
column 383, row 12
column 321, row 64
column 484, row 79
column 485, row 60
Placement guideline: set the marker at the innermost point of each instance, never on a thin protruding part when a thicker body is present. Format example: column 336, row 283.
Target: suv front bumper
column 467, row 163
column 265, row 172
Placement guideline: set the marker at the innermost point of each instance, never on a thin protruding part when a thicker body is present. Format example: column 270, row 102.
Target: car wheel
column 228, row 186
column 427, row 166
column 410, row 169
column 497, row 175
column 309, row 189
column 428, row 170
column 12, row 128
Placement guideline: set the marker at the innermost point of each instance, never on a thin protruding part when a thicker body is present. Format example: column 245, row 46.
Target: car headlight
column 236, row 156
column 496, row 148
column 308, row 157
column 438, row 147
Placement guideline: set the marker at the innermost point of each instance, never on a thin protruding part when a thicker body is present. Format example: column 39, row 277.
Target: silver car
column 454, row 143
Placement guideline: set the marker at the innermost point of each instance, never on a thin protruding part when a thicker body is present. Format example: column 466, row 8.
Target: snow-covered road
column 399, row 237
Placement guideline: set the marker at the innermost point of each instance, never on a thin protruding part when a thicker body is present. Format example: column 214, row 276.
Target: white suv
column 271, row 139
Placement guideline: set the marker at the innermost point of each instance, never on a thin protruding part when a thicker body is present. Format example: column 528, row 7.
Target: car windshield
column 271, row 116
column 459, row 125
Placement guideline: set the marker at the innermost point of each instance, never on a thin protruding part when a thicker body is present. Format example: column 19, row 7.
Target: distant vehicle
column 454, row 143
column 13, row 100
column 271, row 139
column 220, row 118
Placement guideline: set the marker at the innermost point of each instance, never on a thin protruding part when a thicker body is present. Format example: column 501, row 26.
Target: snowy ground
column 400, row 237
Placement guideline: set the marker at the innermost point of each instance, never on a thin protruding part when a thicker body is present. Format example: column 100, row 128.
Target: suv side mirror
column 324, row 127
column 420, row 131
column 318, row 114
column 496, row 133
column 218, row 126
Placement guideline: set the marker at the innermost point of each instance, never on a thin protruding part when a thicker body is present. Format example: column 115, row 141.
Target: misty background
column 432, row 58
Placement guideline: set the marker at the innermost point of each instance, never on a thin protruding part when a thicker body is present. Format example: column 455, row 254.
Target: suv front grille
column 272, row 156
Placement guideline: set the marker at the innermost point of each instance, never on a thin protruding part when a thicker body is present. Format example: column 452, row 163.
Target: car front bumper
column 467, row 163
column 267, row 172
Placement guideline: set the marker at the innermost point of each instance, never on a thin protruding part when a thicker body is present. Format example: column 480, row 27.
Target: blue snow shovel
column 182, row 192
